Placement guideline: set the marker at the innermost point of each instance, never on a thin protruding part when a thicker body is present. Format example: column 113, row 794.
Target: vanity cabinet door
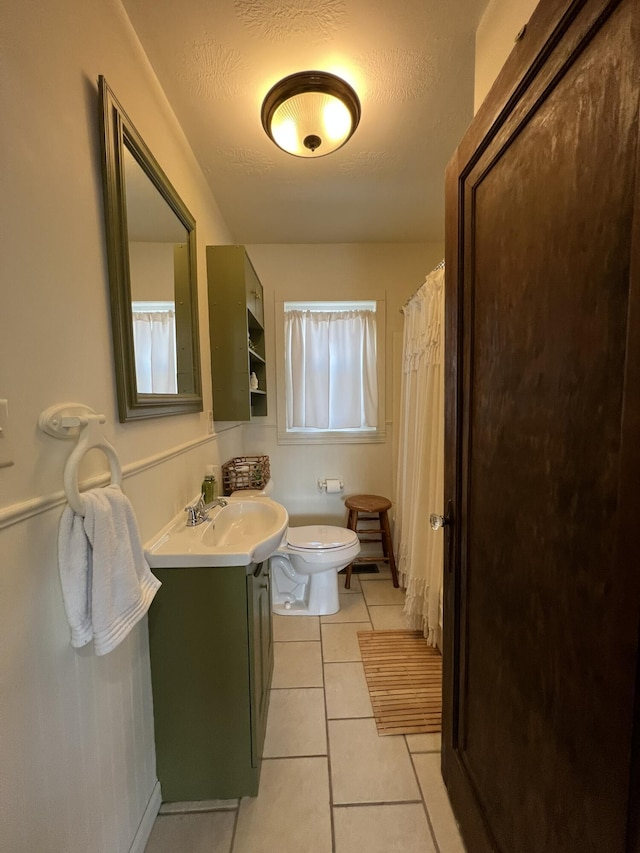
column 261, row 651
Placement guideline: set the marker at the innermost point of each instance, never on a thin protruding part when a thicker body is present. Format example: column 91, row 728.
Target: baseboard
column 148, row 818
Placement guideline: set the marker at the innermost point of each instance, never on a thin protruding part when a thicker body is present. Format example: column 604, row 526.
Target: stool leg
column 352, row 524
column 387, row 546
column 384, row 532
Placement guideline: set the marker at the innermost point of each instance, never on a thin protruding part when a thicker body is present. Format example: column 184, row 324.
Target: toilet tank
column 248, row 493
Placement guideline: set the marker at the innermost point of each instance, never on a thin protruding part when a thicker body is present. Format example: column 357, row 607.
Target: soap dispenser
column 209, row 484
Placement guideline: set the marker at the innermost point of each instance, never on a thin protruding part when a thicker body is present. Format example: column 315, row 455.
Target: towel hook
column 71, row 420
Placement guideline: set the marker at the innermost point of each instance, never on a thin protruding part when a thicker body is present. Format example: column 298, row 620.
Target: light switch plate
column 6, row 453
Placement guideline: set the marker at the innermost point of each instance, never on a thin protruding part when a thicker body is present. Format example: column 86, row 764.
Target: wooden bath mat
column 404, row 677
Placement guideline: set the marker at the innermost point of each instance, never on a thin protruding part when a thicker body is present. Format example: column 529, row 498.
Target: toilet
column 304, row 569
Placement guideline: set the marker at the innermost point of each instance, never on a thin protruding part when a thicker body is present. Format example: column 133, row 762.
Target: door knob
column 438, row 521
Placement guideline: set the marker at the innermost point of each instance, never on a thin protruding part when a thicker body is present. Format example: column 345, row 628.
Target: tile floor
column 329, row 784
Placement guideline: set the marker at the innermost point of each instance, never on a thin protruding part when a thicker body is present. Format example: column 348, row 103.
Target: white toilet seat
column 319, row 537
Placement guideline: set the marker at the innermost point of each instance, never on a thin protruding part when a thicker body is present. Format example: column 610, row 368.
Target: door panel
column 542, row 588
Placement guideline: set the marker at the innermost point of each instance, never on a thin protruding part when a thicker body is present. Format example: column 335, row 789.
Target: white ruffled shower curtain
column 419, row 485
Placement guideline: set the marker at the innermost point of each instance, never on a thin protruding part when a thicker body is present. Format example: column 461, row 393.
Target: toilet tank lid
column 317, row 536
column 252, row 493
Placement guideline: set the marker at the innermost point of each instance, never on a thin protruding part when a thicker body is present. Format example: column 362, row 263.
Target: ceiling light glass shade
column 311, row 113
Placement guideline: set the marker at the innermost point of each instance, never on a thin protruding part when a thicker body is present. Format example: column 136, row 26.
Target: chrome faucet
column 197, row 512
column 215, row 502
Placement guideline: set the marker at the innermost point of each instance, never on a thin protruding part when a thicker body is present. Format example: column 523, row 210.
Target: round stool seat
column 368, row 503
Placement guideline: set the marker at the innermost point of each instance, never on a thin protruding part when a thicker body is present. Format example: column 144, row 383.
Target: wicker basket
column 245, row 472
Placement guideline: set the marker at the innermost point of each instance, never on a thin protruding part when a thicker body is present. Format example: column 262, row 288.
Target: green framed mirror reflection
column 151, row 252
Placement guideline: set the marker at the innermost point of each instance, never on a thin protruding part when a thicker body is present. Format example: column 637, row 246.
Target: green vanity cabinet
column 211, row 663
column 236, row 329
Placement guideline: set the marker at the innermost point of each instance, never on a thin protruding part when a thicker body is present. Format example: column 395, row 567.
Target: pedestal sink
column 246, row 530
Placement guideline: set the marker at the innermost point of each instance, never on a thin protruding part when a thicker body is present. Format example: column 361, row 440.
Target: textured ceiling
column 411, row 62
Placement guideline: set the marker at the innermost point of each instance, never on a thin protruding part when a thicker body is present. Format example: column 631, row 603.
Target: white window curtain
column 420, row 472
column 330, row 362
column 154, row 338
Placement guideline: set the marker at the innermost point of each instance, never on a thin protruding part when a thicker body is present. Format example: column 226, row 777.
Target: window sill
column 376, row 437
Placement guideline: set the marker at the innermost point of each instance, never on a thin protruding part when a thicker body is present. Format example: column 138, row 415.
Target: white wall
column 495, row 37
column 77, row 767
column 338, row 271
column 151, row 272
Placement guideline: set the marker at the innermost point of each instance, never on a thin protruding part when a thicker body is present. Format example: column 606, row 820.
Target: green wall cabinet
column 236, row 329
column 211, row 650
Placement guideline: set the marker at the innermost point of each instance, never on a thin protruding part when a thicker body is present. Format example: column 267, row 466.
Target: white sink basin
column 247, row 530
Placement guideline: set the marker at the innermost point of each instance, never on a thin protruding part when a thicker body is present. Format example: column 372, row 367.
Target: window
column 154, row 341
column 331, row 372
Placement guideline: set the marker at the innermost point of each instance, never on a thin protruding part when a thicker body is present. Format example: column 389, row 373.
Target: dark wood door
column 542, row 568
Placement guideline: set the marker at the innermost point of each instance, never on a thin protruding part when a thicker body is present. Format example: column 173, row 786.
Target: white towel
column 107, row 585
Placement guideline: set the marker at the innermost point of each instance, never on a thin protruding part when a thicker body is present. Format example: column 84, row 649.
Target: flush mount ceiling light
column 311, row 113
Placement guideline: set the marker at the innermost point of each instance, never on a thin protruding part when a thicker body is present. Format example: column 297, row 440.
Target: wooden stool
column 369, row 505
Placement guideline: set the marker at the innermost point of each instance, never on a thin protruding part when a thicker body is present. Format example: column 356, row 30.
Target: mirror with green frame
column 151, row 252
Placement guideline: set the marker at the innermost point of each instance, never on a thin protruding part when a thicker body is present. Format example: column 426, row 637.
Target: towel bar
column 71, row 420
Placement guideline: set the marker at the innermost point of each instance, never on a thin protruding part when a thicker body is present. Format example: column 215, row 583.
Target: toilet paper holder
column 330, row 485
